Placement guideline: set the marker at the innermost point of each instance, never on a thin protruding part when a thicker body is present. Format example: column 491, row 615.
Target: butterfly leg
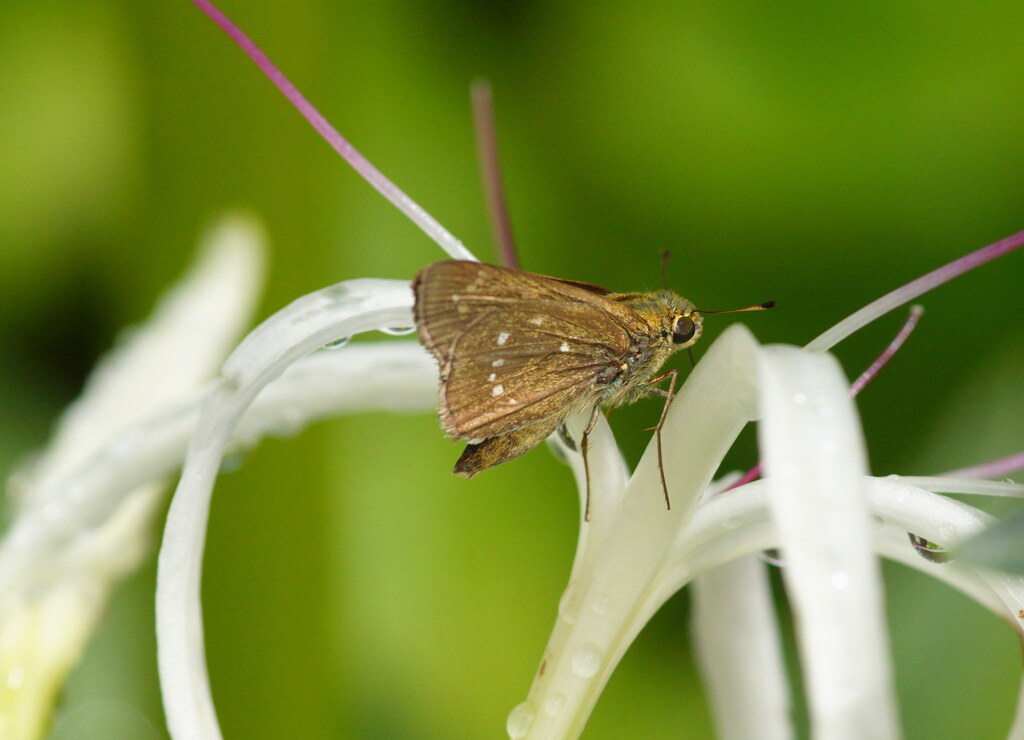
column 669, row 395
column 584, row 447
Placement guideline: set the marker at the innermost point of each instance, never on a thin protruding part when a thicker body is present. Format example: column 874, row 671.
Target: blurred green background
column 814, row 154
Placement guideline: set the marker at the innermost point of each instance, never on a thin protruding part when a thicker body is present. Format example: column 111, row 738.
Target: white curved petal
column 66, row 549
column 815, row 466
column 612, row 594
column 301, row 327
column 393, row 376
column 738, row 646
column 182, row 342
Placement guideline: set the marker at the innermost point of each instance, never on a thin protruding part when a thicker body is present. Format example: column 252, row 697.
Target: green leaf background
column 817, row 154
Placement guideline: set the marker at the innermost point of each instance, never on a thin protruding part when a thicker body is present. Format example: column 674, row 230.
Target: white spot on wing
column 503, row 337
column 564, row 347
column 491, row 378
column 497, row 390
column 537, row 320
column 498, row 363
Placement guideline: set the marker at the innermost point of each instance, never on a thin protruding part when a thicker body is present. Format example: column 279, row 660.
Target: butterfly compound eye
column 683, row 330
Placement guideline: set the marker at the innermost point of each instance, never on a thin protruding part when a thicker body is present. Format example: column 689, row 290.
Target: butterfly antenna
column 666, row 255
column 759, row 307
column 490, row 172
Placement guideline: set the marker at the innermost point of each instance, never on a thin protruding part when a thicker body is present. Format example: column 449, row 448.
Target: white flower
column 817, row 505
column 83, row 509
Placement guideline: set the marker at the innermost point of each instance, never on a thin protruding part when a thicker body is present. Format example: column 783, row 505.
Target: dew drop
column 772, row 557
column 232, row 462
column 338, row 343
column 601, row 603
column 399, row 331
column 555, row 704
column 520, row 720
column 75, row 490
column 567, row 607
column 127, row 444
column 587, row 660
column 15, row 677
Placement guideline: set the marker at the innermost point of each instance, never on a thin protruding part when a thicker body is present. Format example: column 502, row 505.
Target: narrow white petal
column 310, row 322
column 737, row 523
column 615, row 585
column 69, row 543
column 393, row 376
column 736, row 636
column 187, row 336
column 1017, row 730
column 945, row 484
column 815, row 466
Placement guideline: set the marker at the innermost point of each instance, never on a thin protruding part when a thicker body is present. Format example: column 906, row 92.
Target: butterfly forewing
column 514, row 347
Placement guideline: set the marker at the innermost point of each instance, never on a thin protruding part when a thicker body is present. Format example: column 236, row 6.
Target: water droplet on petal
column 555, row 704
column 127, row 444
column 568, row 609
column 772, row 557
column 15, row 677
column 601, row 603
column 338, row 343
column 520, row 720
column 232, row 462
column 400, row 331
column 587, row 660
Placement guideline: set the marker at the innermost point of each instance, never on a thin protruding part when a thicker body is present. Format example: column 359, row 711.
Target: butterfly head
column 681, row 323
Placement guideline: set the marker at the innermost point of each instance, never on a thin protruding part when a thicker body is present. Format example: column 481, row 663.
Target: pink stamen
column 993, row 469
column 913, row 289
column 490, row 172
column 348, row 152
column 894, row 346
column 858, row 385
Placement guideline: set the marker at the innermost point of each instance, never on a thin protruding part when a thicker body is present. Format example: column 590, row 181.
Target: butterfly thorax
column 653, row 342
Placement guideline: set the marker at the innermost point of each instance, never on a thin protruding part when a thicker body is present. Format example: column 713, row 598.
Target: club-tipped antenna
column 759, row 307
